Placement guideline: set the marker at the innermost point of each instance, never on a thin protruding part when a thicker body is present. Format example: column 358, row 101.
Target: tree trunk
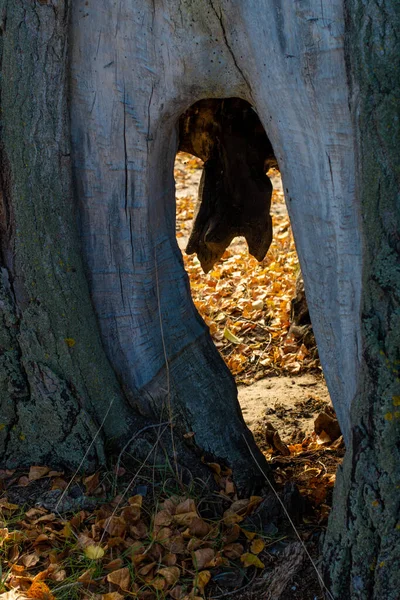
column 100, row 329
column 362, row 546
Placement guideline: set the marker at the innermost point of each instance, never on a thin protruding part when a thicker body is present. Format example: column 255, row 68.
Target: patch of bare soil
column 291, row 404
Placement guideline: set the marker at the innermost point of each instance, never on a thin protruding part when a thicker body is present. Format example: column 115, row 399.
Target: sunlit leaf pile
column 246, row 304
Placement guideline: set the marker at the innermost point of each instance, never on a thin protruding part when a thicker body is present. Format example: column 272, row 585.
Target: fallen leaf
column 115, row 526
column 202, row 557
column 201, row 580
column 233, row 551
column 170, row 574
column 30, row 560
column 37, row 472
column 94, row 552
column 187, row 506
column 92, row 483
column 231, row 337
column 199, row 528
column 121, row 577
column 257, row 546
column 251, row 560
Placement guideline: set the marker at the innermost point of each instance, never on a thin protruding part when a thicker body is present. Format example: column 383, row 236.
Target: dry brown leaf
column 233, row 551
column 184, row 519
column 131, row 514
column 115, row 526
column 163, row 519
column 136, row 500
column 169, row 560
column 177, row 592
column 30, row 560
column 231, row 517
column 202, row 558
column 5, row 505
column 37, row 472
column 229, row 487
column 170, row 574
column 112, row 596
column 117, row 563
column 139, row 531
column 120, row 577
column 187, row 506
column 146, row 569
column 231, row 534
column 86, row 576
column 199, row 528
column 92, row 483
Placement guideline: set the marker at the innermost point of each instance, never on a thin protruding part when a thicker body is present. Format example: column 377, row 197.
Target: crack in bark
column 219, row 17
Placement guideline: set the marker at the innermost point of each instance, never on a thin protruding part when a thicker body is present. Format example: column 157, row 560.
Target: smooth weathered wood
column 131, row 81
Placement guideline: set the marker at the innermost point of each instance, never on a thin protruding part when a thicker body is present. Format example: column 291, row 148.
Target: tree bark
column 362, row 545
column 57, row 387
column 100, row 329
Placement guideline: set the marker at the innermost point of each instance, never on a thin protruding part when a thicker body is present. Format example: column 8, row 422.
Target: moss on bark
column 57, row 385
column 362, row 546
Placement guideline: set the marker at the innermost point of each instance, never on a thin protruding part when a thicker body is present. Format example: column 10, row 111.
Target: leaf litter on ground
column 246, row 303
column 168, row 549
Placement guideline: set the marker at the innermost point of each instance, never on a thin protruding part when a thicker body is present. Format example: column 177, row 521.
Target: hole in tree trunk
column 254, row 306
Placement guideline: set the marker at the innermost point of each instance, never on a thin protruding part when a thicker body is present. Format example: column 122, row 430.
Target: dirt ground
column 291, row 404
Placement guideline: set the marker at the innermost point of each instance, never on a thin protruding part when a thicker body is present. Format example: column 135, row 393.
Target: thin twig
column 170, row 416
column 134, row 479
column 84, row 457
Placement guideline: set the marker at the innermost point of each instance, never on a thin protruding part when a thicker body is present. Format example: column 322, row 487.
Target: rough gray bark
column 55, row 382
column 362, row 546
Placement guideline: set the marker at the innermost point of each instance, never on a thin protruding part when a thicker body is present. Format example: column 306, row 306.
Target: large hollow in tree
column 235, row 193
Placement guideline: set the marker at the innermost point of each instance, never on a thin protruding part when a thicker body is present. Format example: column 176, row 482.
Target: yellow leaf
column 257, row 546
column 201, row 580
column 231, row 337
column 251, row 560
column 94, row 552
